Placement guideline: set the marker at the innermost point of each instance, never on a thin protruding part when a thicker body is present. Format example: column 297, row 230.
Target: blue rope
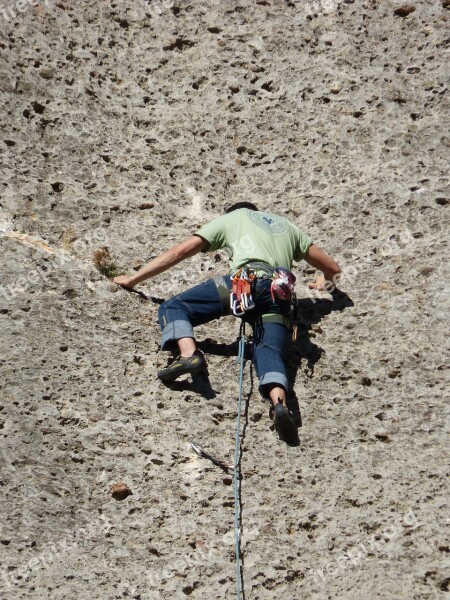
column 241, row 360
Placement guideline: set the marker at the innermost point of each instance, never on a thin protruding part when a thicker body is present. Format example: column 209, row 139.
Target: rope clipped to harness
column 241, row 298
column 235, row 468
column 236, row 487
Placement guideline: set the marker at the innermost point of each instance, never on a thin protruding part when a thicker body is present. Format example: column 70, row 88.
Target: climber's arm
column 319, row 259
column 174, row 255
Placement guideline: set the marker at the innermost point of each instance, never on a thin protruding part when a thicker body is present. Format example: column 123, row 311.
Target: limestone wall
column 127, row 125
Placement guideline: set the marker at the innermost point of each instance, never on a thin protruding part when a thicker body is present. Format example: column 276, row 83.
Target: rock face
column 124, row 127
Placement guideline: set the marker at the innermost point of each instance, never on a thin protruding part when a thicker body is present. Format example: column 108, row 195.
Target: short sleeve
column 214, row 233
column 303, row 242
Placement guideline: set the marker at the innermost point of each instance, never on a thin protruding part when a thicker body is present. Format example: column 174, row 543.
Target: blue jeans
column 211, row 300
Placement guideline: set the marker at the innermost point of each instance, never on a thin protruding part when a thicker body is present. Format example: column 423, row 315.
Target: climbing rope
column 236, row 471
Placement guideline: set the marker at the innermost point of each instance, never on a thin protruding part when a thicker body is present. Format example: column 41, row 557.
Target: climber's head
column 239, row 205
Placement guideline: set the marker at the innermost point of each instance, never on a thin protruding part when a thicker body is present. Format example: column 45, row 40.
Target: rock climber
column 262, row 247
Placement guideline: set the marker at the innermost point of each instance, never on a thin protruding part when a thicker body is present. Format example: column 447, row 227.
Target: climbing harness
column 241, row 298
column 282, row 288
column 236, row 487
column 283, row 280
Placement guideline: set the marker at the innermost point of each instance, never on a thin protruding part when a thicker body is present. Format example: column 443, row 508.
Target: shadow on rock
column 200, row 384
column 210, row 346
column 309, row 312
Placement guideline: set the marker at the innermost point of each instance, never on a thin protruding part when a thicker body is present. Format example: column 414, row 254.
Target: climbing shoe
column 181, row 366
column 285, row 426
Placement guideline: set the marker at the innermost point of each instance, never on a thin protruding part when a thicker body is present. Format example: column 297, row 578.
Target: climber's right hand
column 124, row 281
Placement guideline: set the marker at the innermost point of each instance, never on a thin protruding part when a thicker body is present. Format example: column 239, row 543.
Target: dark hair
column 239, row 205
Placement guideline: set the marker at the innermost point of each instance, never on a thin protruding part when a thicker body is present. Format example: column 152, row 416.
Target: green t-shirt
column 251, row 236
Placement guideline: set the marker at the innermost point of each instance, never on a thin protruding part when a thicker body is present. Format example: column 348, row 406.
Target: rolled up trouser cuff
column 174, row 331
column 272, row 378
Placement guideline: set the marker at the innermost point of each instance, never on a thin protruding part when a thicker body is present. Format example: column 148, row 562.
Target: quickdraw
column 241, row 298
column 282, row 284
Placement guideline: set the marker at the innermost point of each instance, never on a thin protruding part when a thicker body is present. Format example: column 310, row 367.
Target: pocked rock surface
column 127, row 125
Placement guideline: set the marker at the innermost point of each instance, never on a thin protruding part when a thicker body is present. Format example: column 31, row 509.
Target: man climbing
column 261, row 248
